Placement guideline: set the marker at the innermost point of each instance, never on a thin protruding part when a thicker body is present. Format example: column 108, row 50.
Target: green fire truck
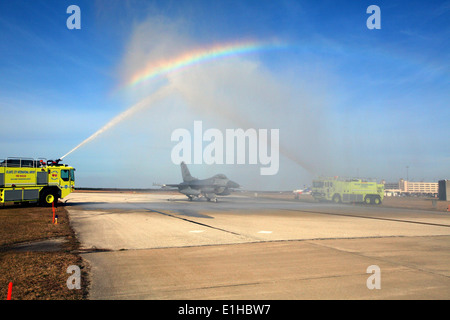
column 347, row 190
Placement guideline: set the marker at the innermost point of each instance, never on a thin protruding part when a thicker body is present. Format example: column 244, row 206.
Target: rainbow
column 156, row 69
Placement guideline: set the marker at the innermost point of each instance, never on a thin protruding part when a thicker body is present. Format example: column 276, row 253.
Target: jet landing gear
column 209, row 199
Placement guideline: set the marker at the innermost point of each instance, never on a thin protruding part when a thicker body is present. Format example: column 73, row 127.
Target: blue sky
column 347, row 100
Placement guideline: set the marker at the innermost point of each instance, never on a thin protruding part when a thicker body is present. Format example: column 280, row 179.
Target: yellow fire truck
column 352, row 190
column 29, row 180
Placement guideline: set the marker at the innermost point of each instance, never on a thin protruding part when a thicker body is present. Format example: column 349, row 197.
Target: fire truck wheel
column 368, row 200
column 377, row 200
column 48, row 198
column 337, row 198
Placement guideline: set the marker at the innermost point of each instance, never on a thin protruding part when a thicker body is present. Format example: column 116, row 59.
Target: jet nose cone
column 232, row 184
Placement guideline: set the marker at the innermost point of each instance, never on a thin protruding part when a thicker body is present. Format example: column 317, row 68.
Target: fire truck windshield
column 65, row 175
column 317, row 184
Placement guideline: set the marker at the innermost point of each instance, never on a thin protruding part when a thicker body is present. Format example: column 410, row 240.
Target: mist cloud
column 233, row 92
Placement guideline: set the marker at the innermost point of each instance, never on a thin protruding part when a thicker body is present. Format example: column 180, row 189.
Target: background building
column 409, row 187
column 444, row 190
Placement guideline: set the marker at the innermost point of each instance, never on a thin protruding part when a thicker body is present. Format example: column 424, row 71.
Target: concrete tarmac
column 160, row 246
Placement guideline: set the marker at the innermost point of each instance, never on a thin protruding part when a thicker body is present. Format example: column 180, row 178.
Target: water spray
column 161, row 93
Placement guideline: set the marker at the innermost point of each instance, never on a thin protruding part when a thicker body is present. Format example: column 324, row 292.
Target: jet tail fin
column 185, row 173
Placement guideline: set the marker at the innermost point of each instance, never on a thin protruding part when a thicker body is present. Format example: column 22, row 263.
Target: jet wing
column 165, row 185
column 170, row 185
